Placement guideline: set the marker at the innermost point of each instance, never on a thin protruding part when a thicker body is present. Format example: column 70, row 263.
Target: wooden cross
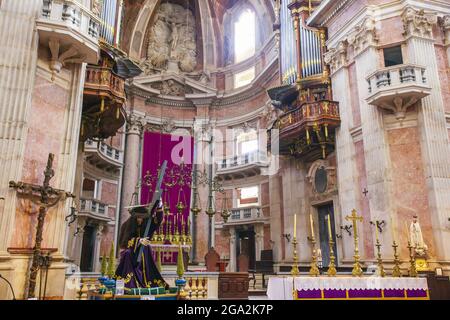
column 46, row 197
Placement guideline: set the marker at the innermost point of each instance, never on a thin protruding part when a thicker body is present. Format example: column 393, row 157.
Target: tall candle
column 312, row 224
column 295, row 226
column 329, row 227
column 392, row 229
column 407, row 232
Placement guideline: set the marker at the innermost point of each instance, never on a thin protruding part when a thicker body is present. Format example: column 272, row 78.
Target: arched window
column 245, row 36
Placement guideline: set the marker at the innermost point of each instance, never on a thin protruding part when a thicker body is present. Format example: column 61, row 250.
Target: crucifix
column 365, row 192
column 354, row 218
column 45, row 197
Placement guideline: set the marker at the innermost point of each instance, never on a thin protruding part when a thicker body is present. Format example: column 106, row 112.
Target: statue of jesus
column 416, row 236
column 174, row 40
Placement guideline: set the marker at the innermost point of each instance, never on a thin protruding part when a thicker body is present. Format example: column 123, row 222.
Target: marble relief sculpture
column 172, row 41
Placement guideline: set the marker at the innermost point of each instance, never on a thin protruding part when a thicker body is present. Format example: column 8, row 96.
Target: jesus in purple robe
column 143, row 274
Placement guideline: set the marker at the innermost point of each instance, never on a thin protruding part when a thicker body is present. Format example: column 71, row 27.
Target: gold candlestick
column 294, row 271
column 412, row 261
column 332, row 265
column 381, row 271
column 354, row 218
column 396, row 271
column 314, row 270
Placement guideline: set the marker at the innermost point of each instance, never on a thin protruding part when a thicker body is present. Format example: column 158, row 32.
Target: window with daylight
column 248, row 196
column 245, row 36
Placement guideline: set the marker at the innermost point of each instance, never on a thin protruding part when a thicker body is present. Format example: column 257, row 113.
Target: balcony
column 103, row 100
column 307, row 132
column 103, row 82
column 242, row 166
column 247, row 215
column 69, row 26
column 398, row 88
column 103, row 156
column 94, row 209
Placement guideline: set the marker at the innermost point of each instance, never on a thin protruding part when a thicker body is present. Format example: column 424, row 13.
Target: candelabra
column 412, row 261
column 381, row 271
column 396, row 271
column 294, row 270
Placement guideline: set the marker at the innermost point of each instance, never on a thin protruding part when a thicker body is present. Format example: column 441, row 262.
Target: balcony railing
column 93, row 207
column 310, row 112
column 103, row 81
column 237, row 162
column 398, row 87
column 246, row 215
column 74, row 23
column 106, row 152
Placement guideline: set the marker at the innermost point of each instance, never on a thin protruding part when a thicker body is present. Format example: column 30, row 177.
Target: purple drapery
column 176, row 150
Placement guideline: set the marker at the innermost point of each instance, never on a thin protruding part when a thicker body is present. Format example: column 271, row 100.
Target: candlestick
column 412, row 261
column 380, row 270
column 312, row 224
column 331, row 266
column 396, row 271
column 294, row 270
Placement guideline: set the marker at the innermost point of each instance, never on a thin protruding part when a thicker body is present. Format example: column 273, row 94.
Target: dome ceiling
column 138, row 15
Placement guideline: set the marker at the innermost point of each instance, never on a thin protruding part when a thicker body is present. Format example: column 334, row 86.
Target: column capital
column 445, row 23
column 337, row 57
column 363, row 36
column 135, row 124
column 417, row 23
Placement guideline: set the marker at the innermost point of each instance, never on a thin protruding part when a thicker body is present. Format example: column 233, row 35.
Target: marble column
column 132, row 160
column 345, row 148
column 432, row 125
column 17, row 70
column 232, row 264
column 98, row 242
column 376, row 149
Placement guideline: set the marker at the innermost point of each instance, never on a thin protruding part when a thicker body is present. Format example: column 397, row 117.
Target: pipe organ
column 306, row 129
column 288, row 46
column 108, row 18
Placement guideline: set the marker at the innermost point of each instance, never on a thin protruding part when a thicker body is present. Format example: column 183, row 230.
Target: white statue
column 415, row 232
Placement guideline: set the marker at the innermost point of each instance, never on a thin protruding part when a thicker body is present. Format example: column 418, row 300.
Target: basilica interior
column 281, row 143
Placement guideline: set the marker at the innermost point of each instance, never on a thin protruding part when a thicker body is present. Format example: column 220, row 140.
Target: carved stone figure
column 416, row 236
column 172, row 38
column 97, row 7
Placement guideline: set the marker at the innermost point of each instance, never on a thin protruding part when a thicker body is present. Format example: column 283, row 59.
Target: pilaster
column 432, row 125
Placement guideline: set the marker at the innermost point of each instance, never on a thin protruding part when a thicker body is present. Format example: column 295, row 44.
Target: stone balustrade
column 72, row 24
column 241, row 162
column 397, row 88
column 105, row 152
column 95, row 209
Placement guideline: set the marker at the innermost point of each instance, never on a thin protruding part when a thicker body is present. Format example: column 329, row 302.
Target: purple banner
column 179, row 152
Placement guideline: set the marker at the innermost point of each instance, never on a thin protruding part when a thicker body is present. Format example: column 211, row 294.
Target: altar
column 347, row 288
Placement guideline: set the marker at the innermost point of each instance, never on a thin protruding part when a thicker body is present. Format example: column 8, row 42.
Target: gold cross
column 354, row 218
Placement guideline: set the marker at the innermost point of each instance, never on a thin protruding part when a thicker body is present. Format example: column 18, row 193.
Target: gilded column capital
column 363, row 36
column 418, row 23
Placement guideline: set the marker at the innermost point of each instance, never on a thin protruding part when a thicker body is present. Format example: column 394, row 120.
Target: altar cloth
column 282, row 288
